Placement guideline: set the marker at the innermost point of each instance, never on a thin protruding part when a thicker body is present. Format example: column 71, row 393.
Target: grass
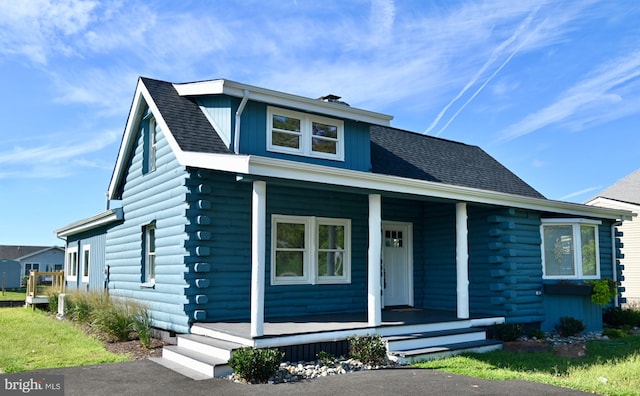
column 13, row 295
column 34, row 340
column 610, row 367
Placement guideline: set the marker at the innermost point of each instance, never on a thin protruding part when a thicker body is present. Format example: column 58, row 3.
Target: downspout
column 614, row 256
column 236, row 135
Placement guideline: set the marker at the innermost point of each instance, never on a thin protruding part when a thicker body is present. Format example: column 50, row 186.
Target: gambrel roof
column 401, row 161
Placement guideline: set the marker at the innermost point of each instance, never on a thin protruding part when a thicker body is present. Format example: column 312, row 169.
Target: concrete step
column 197, row 361
column 434, row 338
column 442, row 351
column 209, row 346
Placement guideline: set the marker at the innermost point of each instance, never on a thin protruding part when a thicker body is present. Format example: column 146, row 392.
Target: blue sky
column 550, row 89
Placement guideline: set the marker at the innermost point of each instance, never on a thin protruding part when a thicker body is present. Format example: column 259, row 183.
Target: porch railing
column 38, row 291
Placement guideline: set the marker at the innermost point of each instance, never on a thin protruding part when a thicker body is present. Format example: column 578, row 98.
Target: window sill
column 148, row 285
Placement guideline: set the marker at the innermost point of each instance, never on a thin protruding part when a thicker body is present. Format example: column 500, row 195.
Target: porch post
column 258, row 230
column 462, row 260
column 374, row 313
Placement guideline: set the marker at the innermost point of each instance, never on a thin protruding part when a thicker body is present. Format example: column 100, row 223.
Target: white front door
column 397, row 263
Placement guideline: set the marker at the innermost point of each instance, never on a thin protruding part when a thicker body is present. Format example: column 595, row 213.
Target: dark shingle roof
column 12, row 252
column 187, row 123
column 412, row 155
column 393, row 151
column 625, row 190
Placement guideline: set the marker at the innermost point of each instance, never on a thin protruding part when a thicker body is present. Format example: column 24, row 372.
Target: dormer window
column 297, row 133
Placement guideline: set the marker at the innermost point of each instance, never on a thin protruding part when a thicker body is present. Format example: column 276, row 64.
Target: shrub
column 619, row 317
column 603, row 291
column 614, row 333
column 537, row 333
column 369, row 349
column 507, row 331
column 255, row 365
column 142, row 326
column 569, row 326
column 326, row 358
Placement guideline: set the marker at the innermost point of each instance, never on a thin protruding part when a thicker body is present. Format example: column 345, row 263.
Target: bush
column 569, row 326
column 614, row 333
column 326, row 358
column 507, row 331
column 537, row 333
column 255, row 365
column 619, row 317
column 370, row 349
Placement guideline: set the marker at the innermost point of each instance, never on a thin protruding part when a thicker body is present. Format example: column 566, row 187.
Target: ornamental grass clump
column 255, row 365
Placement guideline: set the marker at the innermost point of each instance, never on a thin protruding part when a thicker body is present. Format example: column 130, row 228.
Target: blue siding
column 220, row 264
column 253, row 140
column 514, row 271
column 158, row 196
column 219, row 110
column 440, row 256
column 96, row 240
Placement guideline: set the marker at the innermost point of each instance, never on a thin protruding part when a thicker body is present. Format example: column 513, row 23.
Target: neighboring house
column 262, row 218
column 41, row 258
column 625, row 194
column 9, row 274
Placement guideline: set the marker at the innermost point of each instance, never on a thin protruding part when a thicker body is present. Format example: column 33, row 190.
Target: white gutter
column 616, row 301
column 236, row 135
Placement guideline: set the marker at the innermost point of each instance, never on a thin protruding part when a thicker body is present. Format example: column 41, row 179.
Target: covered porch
column 310, row 329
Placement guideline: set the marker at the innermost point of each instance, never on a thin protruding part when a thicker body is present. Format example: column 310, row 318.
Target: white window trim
column 306, row 135
column 67, row 264
column 30, row 264
column 577, row 247
column 148, row 280
column 310, row 260
column 85, row 248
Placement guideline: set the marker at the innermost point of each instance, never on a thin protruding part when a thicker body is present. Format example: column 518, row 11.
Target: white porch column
column 258, row 230
column 462, row 260
column 374, row 311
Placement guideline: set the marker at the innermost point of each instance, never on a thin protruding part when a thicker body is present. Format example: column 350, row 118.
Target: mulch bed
column 564, row 350
column 134, row 350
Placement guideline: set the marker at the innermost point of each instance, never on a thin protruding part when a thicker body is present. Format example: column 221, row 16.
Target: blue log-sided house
column 256, row 217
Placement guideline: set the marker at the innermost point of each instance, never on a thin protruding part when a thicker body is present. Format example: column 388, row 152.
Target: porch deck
column 400, row 318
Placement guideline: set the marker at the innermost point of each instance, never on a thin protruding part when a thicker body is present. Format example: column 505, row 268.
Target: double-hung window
column 570, row 249
column 310, row 250
column 305, row 134
column 149, row 258
column 72, row 263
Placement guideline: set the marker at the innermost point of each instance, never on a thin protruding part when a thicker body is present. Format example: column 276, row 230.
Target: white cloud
column 610, row 92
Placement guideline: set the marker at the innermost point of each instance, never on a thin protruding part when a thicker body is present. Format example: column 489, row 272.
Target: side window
column 86, row 262
column 150, row 141
column 72, row 263
column 149, row 255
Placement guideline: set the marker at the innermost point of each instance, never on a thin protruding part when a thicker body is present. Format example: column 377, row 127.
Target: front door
column 397, row 266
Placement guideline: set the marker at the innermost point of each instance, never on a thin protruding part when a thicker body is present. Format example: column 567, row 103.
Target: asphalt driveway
column 145, row 377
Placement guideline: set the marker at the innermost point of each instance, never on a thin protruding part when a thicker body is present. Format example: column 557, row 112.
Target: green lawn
column 34, row 340
column 610, row 367
column 13, row 295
